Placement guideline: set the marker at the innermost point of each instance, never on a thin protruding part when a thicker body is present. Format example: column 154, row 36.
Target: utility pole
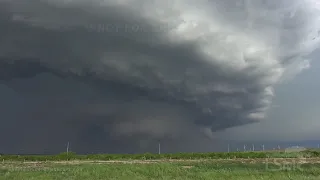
column 252, row 147
column 159, row 148
column 68, row 148
column 262, row 147
column 244, row 147
column 228, row 148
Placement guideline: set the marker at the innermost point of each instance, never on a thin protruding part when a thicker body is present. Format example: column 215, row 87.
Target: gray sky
column 131, row 73
column 295, row 111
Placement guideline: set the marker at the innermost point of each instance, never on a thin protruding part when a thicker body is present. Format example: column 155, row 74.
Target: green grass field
column 179, row 166
column 149, row 156
column 248, row 169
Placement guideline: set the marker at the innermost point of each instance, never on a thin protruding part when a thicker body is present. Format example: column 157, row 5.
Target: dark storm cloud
column 119, row 69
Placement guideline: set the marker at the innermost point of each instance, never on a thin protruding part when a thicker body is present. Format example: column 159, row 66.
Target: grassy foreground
column 149, row 156
column 164, row 170
column 180, row 166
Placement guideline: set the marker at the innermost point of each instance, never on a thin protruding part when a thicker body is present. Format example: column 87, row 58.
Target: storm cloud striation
column 122, row 71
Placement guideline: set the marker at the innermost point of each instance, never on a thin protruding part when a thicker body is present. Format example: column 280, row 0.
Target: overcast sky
column 122, row 75
column 294, row 114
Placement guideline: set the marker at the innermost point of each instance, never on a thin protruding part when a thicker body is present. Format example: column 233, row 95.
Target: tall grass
column 186, row 170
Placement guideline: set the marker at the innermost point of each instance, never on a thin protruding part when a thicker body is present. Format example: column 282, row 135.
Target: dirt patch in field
column 187, row 167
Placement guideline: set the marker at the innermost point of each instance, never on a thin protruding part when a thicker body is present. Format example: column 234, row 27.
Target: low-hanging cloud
column 157, row 69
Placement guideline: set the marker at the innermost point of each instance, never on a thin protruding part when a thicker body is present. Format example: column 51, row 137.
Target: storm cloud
column 108, row 72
